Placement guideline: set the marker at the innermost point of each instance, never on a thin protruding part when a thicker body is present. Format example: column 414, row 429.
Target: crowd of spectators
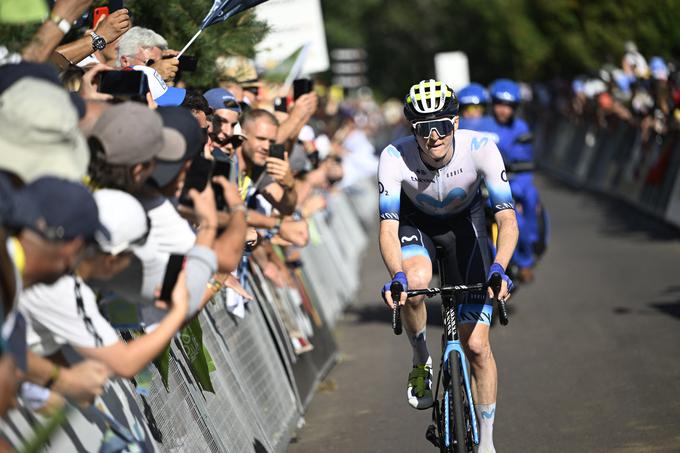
column 641, row 92
column 100, row 192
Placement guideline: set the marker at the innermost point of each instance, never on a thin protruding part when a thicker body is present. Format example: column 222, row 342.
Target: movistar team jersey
column 448, row 190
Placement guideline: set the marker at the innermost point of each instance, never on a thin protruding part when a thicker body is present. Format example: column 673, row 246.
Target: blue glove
column 497, row 268
column 398, row 277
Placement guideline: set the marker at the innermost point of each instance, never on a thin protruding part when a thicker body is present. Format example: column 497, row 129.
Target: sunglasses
column 443, row 127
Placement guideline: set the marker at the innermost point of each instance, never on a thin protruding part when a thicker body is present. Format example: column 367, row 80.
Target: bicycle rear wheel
column 458, row 422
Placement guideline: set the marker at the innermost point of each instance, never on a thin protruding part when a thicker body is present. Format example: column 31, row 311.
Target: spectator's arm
column 110, row 28
column 142, row 350
column 48, row 36
column 300, row 113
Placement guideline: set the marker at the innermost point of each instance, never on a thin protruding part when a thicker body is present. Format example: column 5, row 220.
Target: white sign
column 293, row 23
column 453, row 69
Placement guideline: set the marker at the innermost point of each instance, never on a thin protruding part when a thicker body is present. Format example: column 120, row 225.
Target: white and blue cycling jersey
column 446, row 191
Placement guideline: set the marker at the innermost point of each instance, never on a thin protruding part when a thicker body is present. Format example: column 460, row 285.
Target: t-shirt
column 52, row 315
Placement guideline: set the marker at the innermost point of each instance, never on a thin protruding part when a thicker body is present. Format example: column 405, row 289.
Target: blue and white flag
column 224, row 9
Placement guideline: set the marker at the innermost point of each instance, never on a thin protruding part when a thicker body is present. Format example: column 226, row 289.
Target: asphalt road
column 590, row 361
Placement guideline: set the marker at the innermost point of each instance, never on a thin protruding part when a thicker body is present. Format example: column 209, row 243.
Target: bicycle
column 455, row 427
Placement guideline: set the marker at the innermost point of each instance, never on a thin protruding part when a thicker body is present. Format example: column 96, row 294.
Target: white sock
column 419, row 344
column 485, row 417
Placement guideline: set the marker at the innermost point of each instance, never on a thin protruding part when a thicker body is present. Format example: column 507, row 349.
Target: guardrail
column 614, row 160
column 261, row 385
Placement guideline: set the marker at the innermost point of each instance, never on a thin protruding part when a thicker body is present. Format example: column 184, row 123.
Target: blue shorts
column 463, row 241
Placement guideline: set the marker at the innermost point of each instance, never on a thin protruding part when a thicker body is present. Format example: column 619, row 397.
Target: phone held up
column 172, row 270
column 127, row 85
column 196, row 178
column 302, row 86
column 278, row 151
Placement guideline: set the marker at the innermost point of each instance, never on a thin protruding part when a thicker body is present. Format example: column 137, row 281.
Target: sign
column 453, row 69
column 293, row 23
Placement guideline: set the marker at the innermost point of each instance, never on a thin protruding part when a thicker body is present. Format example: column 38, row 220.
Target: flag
column 224, row 9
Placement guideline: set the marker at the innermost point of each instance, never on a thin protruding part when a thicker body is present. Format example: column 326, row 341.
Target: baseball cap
column 11, row 73
column 163, row 94
column 238, row 69
column 66, row 209
column 39, row 132
column 124, row 219
column 181, row 120
column 219, row 98
column 132, row 133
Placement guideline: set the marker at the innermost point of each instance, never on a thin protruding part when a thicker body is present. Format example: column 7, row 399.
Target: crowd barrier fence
column 261, row 384
column 614, row 160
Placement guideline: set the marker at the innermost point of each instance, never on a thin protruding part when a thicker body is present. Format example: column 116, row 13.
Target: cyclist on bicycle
column 473, row 100
column 513, row 138
column 429, row 195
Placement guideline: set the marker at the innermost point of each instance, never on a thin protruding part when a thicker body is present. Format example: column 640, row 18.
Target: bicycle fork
column 455, row 345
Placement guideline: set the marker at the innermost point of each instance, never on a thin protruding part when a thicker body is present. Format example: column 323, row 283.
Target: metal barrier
column 261, row 384
column 615, row 161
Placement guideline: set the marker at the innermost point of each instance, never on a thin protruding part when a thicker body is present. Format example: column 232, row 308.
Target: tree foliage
column 522, row 39
column 177, row 21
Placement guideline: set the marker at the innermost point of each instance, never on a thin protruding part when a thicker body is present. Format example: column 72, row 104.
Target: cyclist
column 429, row 195
column 513, row 137
column 473, row 100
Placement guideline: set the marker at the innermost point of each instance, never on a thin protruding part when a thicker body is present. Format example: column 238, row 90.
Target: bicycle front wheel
column 458, row 418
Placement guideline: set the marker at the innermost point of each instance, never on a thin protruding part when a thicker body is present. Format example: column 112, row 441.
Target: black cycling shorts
column 464, row 243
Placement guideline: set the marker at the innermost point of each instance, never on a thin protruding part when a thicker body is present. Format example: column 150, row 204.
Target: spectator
column 142, row 46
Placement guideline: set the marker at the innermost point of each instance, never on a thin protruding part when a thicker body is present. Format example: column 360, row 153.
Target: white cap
column 124, row 218
column 306, row 133
column 323, row 145
column 238, row 130
column 164, row 95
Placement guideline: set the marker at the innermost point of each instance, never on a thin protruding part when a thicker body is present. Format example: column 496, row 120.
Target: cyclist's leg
column 416, row 249
column 475, row 319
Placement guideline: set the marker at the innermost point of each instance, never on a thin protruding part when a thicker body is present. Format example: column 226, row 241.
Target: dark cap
column 10, row 73
column 181, row 120
column 66, row 210
column 219, row 98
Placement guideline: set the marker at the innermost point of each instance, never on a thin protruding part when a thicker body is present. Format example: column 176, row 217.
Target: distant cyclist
column 429, row 185
column 473, row 100
column 513, row 137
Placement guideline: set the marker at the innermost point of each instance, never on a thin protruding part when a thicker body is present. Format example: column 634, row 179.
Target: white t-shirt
column 52, row 317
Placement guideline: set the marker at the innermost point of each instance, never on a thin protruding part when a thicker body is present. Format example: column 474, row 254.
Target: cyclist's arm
column 490, row 163
column 389, row 187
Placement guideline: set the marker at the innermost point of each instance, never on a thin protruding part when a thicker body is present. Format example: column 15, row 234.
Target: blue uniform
column 522, row 184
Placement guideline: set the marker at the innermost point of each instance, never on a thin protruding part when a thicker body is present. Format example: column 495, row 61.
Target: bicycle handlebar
column 396, row 289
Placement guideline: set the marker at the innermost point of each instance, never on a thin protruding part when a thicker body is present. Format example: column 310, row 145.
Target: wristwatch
column 98, row 43
column 60, row 22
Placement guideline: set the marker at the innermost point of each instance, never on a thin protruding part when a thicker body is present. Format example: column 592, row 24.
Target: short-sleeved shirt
column 53, row 320
column 445, row 191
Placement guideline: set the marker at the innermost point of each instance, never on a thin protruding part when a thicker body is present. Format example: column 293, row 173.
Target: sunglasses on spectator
column 443, row 127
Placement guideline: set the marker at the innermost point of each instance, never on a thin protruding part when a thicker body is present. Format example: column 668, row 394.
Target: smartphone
column 281, row 104
column 172, row 270
column 221, row 167
column 187, row 63
column 97, row 15
column 196, row 178
column 123, row 83
column 302, row 86
column 115, row 5
column 277, row 151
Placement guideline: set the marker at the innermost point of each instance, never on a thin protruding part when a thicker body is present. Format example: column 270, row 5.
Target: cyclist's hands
column 387, row 294
column 506, row 283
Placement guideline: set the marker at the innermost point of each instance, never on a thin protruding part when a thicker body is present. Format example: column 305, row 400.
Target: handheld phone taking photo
column 123, row 83
column 278, row 151
column 115, row 5
column 281, row 104
column 172, row 270
column 97, row 15
column 187, row 63
column 302, row 86
column 221, row 167
column 197, row 178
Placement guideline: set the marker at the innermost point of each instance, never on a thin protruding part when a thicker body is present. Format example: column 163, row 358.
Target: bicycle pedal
column 431, row 435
